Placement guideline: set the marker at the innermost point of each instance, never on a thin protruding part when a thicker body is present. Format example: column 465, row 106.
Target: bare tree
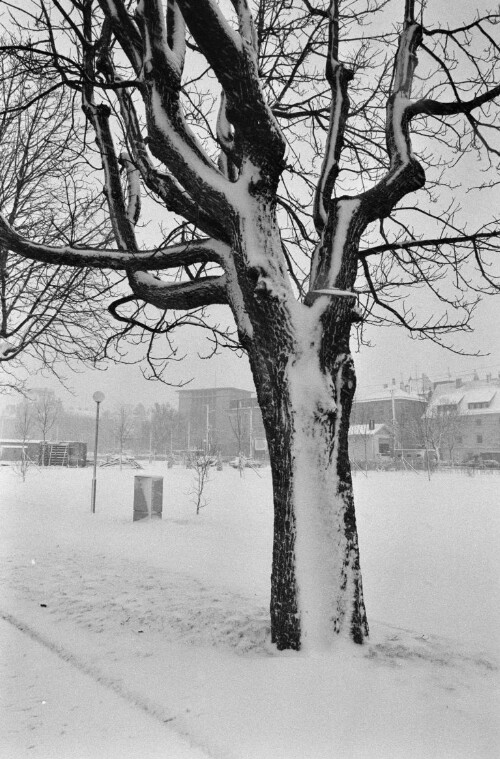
column 201, row 465
column 293, row 203
column 123, row 429
column 163, row 424
column 24, row 427
column 46, row 411
column 439, row 428
column 237, row 422
column 49, row 315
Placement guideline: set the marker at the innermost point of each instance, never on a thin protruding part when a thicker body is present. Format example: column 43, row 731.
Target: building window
column 481, row 404
column 447, row 408
column 479, row 438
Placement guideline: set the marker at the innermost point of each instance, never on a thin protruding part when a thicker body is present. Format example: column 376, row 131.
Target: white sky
column 393, row 355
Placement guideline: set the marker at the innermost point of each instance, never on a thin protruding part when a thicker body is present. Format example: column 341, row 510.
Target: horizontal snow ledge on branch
column 334, row 293
column 179, row 295
column 195, row 251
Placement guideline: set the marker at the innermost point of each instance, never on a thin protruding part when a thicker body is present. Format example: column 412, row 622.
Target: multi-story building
column 466, row 418
column 245, row 418
column 206, row 416
column 397, row 408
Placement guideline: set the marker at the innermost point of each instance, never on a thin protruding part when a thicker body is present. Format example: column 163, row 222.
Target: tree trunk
column 316, row 587
column 305, row 381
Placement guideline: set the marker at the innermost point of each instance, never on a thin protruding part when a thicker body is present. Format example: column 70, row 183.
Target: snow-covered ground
column 151, row 639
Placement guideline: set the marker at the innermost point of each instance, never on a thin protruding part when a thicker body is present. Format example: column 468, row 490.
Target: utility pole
column 207, row 441
column 394, row 422
column 250, row 431
column 98, row 398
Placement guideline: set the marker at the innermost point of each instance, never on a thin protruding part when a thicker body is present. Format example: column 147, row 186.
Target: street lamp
column 98, row 397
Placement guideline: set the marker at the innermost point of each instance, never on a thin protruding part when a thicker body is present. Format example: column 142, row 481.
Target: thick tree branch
column 180, row 295
column 126, row 31
column 197, row 251
column 233, row 58
column 338, row 77
column 436, row 108
column 164, row 185
column 428, row 243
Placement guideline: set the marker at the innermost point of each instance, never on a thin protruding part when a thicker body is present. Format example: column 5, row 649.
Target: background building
column 205, row 418
column 464, row 418
column 367, row 443
column 246, row 423
column 399, row 409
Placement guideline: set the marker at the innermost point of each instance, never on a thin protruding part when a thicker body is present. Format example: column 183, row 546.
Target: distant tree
column 164, row 421
column 440, row 427
column 123, row 429
column 202, row 465
column 46, row 411
column 237, row 422
column 49, row 315
column 307, row 204
column 24, row 427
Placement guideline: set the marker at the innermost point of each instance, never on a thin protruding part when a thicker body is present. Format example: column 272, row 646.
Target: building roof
column 481, row 395
column 448, row 399
column 386, row 394
column 191, row 391
column 363, row 429
column 464, row 397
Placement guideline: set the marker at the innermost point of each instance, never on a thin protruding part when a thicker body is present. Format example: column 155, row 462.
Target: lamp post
column 98, row 397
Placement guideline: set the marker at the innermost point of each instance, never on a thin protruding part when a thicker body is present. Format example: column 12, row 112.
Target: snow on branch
column 179, row 295
column 126, row 31
column 158, row 54
column 233, row 57
column 176, row 32
column 338, row 78
column 161, row 50
column 134, row 188
column 171, row 192
column 397, row 123
column 196, row 251
column 405, row 173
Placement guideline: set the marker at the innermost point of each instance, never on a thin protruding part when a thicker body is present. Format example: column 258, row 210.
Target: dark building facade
column 205, row 419
column 245, row 418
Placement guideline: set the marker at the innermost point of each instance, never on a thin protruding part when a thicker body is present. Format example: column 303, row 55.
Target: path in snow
column 56, row 707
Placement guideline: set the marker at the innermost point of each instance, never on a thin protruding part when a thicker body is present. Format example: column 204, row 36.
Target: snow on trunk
column 301, row 378
column 326, row 555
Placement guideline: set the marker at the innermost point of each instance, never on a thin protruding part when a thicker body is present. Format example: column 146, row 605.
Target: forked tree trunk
column 305, row 383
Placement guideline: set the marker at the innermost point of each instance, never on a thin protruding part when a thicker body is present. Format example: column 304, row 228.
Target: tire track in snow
column 127, row 695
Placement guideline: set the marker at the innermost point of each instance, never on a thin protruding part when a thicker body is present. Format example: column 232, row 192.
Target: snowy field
column 124, row 640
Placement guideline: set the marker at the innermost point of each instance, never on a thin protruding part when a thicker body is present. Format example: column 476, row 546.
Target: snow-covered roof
column 386, row 393
column 363, row 429
column 448, row 399
column 481, row 395
column 463, row 398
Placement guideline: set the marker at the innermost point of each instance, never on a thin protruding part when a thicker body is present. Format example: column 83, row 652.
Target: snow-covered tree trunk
column 305, row 381
column 316, row 590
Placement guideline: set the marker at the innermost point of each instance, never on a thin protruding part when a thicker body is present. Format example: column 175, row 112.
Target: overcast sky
column 393, row 355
